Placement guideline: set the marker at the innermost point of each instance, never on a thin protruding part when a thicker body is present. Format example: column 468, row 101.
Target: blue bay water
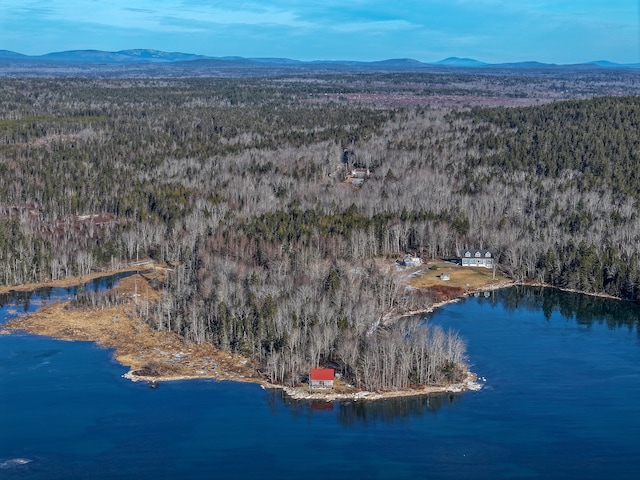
column 561, row 400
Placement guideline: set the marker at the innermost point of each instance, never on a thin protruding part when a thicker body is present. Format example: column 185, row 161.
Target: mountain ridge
column 133, row 56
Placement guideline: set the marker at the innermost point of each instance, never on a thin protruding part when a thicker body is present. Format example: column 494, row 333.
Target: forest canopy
column 243, row 186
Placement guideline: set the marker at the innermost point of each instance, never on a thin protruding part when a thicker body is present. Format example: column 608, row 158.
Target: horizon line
column 465, row 61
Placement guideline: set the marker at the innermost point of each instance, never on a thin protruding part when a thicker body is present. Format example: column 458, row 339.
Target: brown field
column 465, row 278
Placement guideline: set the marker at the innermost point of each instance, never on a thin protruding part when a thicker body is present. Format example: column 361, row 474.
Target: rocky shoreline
column 470, row 383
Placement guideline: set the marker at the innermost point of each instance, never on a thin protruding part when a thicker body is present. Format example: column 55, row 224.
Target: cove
column 17, row 302
column 560, row 400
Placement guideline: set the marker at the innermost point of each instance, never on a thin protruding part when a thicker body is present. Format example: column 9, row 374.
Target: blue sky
column 554, row 31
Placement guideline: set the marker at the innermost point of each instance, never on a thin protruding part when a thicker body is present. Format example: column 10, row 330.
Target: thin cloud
column 155, row 15
column 142, row 10
column 375, row 27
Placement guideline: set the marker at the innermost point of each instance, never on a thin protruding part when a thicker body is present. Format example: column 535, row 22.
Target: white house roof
column 475, row 253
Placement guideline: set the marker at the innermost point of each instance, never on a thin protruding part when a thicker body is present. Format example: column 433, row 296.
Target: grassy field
column 471, row 278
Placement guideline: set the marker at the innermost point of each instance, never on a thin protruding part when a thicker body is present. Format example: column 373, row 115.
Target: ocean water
column 561, row 399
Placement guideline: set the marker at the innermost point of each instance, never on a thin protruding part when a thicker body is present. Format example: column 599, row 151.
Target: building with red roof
column 321, row 378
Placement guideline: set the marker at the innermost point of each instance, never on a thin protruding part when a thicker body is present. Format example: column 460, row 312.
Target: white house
column 411, row 261
column 360, row 173
column 477, row 258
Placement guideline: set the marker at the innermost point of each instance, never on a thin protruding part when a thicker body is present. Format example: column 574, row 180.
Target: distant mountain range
column 145, row 56
column 99, row 56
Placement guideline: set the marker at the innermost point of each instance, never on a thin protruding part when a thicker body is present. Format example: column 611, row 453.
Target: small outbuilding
column 444, row 276
column 321, row 378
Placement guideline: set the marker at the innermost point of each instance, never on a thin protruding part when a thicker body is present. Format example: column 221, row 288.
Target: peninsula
column 154, row 356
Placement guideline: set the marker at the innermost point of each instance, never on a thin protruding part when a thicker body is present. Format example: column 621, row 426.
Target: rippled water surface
column 561, row 400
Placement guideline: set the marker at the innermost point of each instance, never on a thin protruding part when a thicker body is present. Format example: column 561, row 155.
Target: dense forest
column 242, row 187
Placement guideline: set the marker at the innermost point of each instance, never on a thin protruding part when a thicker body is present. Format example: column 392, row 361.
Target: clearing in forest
column 434, row 272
